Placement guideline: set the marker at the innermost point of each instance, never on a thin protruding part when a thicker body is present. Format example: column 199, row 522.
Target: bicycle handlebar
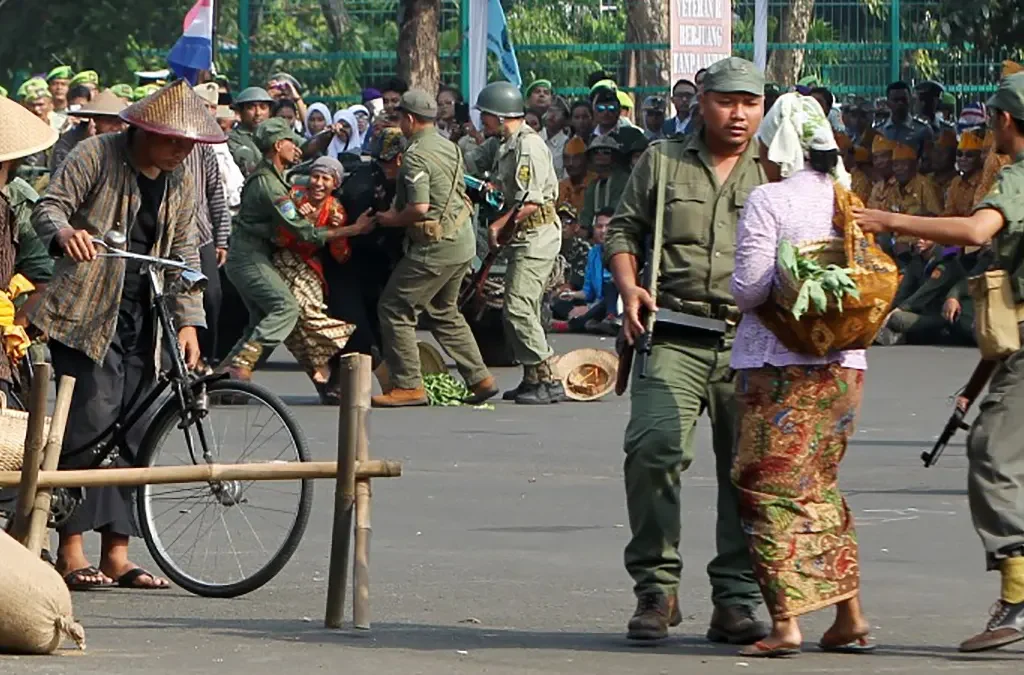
column 129, row 255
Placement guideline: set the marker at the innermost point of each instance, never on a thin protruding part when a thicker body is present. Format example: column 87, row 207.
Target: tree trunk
column 784, row 65
column 647, row 23
column 336, row 16
column 418, row 62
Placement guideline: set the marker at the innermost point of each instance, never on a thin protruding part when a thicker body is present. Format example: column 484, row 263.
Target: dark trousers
column 105, row 392
column 212, row 297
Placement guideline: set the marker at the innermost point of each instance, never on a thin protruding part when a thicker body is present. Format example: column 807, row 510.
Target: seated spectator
column 573, row 188
column 575, row 248
column 611, row 168
column 597, row 300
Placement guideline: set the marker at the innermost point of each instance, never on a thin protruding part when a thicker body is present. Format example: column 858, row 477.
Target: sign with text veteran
column 701, row 33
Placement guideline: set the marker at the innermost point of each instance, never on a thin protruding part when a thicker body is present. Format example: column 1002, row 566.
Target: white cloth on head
column 355, row 139
column 794, row 126
column 320, row 108
column 356, row 110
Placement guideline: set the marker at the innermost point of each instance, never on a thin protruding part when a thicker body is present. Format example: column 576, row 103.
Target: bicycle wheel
column 227, row 538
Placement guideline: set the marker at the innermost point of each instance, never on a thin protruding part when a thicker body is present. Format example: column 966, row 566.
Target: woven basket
column 876, row 275
column 13, row 430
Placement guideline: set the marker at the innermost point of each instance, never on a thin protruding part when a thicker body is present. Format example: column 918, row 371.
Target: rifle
column 641, row 346
column 979, row 380
column 473, row 291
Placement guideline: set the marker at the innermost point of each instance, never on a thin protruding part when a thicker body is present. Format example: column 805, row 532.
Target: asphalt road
column 500, row 551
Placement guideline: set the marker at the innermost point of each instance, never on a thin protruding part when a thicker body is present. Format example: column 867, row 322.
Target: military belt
column 545, row 215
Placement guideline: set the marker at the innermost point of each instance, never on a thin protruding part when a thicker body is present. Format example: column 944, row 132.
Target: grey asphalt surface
column 500, row 551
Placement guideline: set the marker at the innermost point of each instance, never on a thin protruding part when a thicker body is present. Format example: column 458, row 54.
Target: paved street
column 500, row 551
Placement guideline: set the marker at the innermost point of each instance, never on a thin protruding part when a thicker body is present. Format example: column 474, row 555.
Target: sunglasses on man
column 606, row 107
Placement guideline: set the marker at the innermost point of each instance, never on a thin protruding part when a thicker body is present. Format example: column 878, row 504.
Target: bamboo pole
column 40, row 515
column 361, row 553
column 28, row 482
column 355, row 401
column 202, row 473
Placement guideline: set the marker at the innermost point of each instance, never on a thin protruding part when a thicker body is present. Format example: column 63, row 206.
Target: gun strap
column 658, row 235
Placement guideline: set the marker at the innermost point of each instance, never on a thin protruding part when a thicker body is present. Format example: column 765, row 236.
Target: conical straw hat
column 587, row 374
column 104, row 104
column 22, row 133
column 177, row 111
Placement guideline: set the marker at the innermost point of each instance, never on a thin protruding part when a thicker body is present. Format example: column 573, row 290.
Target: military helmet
column 252, row 95
column 502, row 99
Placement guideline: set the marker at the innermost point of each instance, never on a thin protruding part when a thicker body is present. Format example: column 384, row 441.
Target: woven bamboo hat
column 177, row 111
column 104, row 104
column 587, row 374
column 22, row 133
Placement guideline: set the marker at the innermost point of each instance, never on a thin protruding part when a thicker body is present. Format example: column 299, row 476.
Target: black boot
column 511, row 394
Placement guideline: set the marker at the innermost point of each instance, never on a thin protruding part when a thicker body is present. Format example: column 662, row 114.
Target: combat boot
column 655, row 613
column 547, row 390
column 736, row 625
column 401, row 398
column 528, row 383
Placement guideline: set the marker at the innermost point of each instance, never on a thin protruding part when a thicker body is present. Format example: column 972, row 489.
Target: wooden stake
column 51, row 457
column 28, row 481
column 361, row 556
column 355, row 401
column 201, row 473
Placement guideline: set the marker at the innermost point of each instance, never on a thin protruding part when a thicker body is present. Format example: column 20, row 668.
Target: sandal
column 858, row 645
column 131, row 578
column 762, row 650
column 76, row 580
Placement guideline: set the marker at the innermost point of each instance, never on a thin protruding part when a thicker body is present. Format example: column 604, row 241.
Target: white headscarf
column 794, row 126
column 355, row 110
column 320, row 108
column 355, row 140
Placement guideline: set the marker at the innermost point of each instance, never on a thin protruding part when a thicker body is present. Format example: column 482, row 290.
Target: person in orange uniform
column 942, row 161
column 883, row 182
column 860, row 175
column 960, row 195
column 573, row 188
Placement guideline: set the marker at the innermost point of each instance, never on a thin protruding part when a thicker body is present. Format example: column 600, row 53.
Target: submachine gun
column 964, row 400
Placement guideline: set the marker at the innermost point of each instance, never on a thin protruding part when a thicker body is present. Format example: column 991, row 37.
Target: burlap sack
column 996, row 315
column 35, row 605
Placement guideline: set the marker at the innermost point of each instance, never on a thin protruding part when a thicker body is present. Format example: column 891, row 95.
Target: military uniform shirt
column 602, row 193
column 431, row 167
column 700, row 218
column 1007, row 197
column 243, row 150
column 266, row 206
column 524, row 170
column 32, row 261
column 911, row 132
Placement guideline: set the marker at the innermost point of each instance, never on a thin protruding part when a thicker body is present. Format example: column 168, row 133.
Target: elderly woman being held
column 796, row 410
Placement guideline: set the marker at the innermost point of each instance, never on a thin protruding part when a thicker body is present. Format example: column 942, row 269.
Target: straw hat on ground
column 175, row 111
column 587, row 374
column 104, row 104
column 431, row 363
column 22, row 133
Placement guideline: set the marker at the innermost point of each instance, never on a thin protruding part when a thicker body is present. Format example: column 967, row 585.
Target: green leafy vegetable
column 820, row 284
column 444, row 390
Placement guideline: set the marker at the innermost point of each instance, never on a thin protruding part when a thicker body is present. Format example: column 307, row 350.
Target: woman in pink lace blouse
column 796, row 411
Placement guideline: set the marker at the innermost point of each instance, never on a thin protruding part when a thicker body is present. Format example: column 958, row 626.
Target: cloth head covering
column 538, row 83
column 320, row 108
column 972, row 141
column 329, row 166
column 861, row 155
column 33, row 89
column 22, row 133
column 145, row 90
column 209, row 92
column 358, row 108
column 947, row 139
column 371, row 94
column 389, row 144
column 60, row 73
column 575, row 146
column 176, row 111
column 973, row 115
column 225, row 112
column 734, row 75
column 273, row 130
column 881, row 144
column 125, row 91
column 793, row 127
column 625, row 100
column 86, row 77
column 1010, row 96
column 355, row 139
column 904, row 153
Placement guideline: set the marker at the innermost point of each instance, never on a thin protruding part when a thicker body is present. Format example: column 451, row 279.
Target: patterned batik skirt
column 795, row 423
column 316, row 337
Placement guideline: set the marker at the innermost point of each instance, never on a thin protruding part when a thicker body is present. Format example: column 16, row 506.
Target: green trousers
column 417, row 287
column 530, row 262
column 932, row 329
column 272, row 309
column 683, row 379
column 995, row 468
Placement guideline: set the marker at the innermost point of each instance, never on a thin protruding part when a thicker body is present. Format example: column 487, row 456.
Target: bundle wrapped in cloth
column 835, row 294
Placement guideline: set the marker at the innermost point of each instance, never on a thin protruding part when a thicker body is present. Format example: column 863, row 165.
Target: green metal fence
column 856, row 46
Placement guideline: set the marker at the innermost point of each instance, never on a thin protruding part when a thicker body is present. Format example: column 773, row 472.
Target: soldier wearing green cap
column 59, row 81
column 87, row 78
column 995, row 468
column 539, row 95
column 525, row 173
column 431, row 205
column 266, row 207
column 125, row 91
column 706, row 177
column 253, row 107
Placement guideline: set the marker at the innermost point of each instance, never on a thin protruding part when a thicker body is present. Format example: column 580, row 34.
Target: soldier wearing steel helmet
column 524, row 172
column 253, row 106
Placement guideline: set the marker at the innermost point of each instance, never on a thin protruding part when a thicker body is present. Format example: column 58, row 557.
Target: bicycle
column 193, row 401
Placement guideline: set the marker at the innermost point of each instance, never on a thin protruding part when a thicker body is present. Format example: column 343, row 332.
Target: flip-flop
column 129, row 579
column 75, row 580
column 858, row 645
column 761, row 650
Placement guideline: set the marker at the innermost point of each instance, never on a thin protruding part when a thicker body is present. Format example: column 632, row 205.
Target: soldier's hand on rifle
column 951, row 310
column 493, row 233
column 633, row 299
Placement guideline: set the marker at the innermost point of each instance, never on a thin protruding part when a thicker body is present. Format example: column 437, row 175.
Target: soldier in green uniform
column 253, row 106
column 524, row 172
column 610, row 164
column 708, row 177
column 266, row 207
column 995, row 463
column 431, row 204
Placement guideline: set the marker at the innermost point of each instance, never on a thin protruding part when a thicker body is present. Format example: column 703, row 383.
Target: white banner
column 701, row 34
column 761, row 34
column 477, row 54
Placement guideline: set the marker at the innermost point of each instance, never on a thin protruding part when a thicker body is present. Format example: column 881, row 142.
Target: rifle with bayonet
column 979, row 380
